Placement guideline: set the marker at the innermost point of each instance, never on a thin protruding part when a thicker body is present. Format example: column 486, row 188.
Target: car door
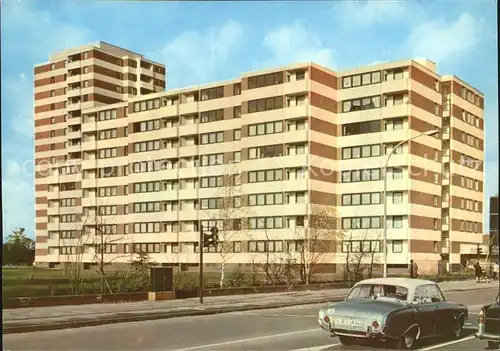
column 425, row 312
column 443, row 316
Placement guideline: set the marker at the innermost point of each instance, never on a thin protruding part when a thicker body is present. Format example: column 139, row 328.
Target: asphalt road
column 292, row 328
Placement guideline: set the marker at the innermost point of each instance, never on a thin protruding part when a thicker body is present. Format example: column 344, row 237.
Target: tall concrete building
column 154, row 165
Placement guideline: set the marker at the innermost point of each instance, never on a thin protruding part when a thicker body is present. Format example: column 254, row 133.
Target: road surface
column 292, row 328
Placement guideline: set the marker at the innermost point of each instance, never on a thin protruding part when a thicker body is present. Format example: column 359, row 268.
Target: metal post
column 201, row 263
column 428, row 133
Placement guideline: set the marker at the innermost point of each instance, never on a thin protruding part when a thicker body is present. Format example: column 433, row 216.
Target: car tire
column 346, row 340
column 408, row 341
column 459, row 327
column 493, row 345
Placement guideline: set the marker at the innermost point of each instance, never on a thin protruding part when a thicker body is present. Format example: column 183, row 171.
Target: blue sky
column 204, row 41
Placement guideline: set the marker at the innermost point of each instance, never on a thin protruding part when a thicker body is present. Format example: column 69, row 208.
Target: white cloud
column 440, row 40
column 360, row 14
column 293, row 44
column 194, row 57
column 19, row 210
column 20, row 93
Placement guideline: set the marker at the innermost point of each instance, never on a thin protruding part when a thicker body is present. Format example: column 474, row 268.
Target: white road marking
column 251, row 339
column 447, row 343
column 318, row 348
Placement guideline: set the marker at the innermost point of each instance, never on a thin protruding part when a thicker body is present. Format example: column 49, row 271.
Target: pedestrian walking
column 413, row 269
column 495, row 271
column 478, row 271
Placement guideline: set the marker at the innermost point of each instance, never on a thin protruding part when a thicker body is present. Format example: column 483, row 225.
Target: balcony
column 445, row 224
column 73, row 64
column 445, row 132
column 296, row 111
column 75, row 78
column 73, row 92
column 74, row 121
column 445, row 201
column 74, row 148
column 446, row 179
column 74, row 134
column 73, row 106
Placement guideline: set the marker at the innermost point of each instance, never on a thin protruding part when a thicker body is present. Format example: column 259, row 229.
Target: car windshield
column 373, row 291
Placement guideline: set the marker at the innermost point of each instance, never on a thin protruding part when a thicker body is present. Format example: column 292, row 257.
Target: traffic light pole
column 201, row 246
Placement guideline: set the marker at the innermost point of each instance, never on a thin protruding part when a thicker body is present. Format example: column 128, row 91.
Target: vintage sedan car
column 402, row 310
column 489, row 324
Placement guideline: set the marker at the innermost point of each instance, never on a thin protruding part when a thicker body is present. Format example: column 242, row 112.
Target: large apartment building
column 154, row 165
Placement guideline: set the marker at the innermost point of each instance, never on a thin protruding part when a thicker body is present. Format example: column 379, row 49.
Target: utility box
column 162, row 279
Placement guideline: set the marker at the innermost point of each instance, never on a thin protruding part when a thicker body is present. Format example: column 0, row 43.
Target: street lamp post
column 428, row 133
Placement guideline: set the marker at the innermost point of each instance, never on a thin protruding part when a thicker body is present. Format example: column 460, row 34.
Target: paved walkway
column 57, row 317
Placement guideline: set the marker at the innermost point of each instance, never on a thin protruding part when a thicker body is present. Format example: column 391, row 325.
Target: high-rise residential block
column 155, row 165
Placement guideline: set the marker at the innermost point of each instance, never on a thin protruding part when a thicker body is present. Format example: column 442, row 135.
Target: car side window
column 420, row 295
column 434, row 293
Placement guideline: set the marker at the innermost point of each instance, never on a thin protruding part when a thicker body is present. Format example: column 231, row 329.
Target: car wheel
column 345, row 340
column 408, row 341
column 493, row 345
column 459, row 326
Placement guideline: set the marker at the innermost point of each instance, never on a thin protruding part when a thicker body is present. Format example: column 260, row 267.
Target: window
column 151, row 166
column 237, row 89
column 212, row 138
column 212, row 160
column 265, row 222
column 107, row 115
column 237, row 157
column 146, row 146
column 237, row 112
column 265, row 199
column 236, row 134
column 212, row 116
column 395, row 222
column 146, row 126
column 360, row 246
column 108, row 191
column 146, row 105
column 265, row 80
column 361, row 151
column 397, row 246
column 360, row 175
column 145, row 207
column 107, row 134
column 211, row 182
column 397, row 197
column 147, row 248
column 212, row 93
column 108, row 153
column 212, row 203
column 361, row 222
column 268, row 104
column 265, row 128
column 361, row 79
column 146, row 187
column 397, row 173
column 270, row 175
column 366, row 103
column 265, row 151
column 361, row 128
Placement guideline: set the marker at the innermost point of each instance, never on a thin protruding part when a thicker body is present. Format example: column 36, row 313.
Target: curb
column 124, row 318
column 154, row 316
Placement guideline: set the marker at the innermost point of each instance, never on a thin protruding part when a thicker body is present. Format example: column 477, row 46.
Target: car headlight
column 331, row 311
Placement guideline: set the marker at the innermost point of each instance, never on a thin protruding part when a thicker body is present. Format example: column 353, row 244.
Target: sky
column 206, row 41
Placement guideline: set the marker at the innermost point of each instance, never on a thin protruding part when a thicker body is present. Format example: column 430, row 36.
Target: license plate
column 349, row 322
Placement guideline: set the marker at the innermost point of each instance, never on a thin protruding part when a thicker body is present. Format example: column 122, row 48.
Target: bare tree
column 102, row 243
column 229, row 212
column 315, row 241
column 360, row 254
column 72, row 249
column 278, row 265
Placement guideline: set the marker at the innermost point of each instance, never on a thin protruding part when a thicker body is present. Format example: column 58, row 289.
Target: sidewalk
column 62, row 317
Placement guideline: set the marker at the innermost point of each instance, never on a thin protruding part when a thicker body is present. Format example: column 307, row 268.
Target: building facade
column 493, row 242
column 280, row 143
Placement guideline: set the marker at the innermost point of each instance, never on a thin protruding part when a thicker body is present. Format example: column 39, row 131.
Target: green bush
column 186, row 281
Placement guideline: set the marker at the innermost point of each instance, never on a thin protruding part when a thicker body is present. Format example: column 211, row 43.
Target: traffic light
column 211, row 239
